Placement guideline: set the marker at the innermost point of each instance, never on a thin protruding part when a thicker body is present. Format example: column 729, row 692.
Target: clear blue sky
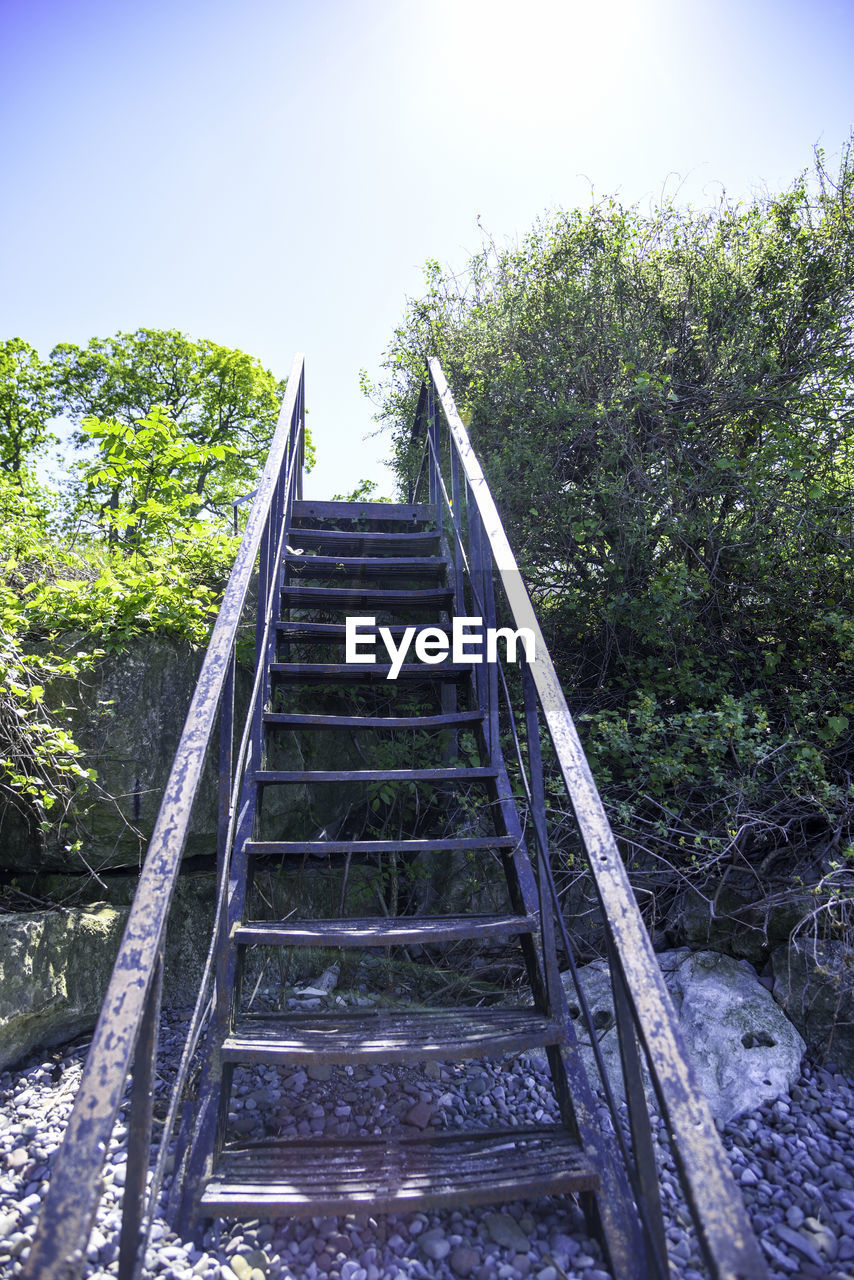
column 272, row 174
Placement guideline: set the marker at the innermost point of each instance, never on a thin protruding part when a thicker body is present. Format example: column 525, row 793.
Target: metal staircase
column 412, row 568
column 348, row 559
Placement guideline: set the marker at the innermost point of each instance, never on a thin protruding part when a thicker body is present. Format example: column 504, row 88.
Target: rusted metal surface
column 639, row 1121
column 299, row 1177
column 69, row 1207
column 382, row 512
column 139, row 1128
column 388, row 1035
column 731, row 1249
column 383, row 931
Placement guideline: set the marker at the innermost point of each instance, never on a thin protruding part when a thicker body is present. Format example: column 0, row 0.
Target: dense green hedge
column 663, row 407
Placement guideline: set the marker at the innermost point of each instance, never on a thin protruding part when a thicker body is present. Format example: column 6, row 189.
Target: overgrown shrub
column 663, row 407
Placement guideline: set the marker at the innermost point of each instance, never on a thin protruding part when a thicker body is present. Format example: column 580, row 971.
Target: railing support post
column 226, row 766
column 554, row 988
column 139, row 1126
column 644, row 1152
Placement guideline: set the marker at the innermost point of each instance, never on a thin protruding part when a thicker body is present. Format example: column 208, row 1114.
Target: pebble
column 434, row 1244
column 420, row 1115
column 505, row 1231
column 793, row 1159
column 463, row 1260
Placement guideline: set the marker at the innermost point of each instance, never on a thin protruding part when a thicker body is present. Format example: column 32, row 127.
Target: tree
column 222, row 402
column 139, row 485
column 27, row 403
column 663, row 405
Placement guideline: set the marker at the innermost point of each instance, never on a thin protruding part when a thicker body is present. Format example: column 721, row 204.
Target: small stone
column 351, row 1270
column 506, row 1232
column 420, row 1115
column 547, row 1273
column 799, row 1242
column 256, row 1257
column 320, row 1071
column 463, row 1260
column 794, row 1216
column 521, row 1264
column 434, row 1245
column 18, row 1158
column 563, row 1247
column 823, row 1238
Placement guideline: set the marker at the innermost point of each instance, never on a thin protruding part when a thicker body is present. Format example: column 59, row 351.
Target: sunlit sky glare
column 273, row 174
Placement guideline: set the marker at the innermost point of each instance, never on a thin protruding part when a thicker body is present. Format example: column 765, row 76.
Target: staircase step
column 330, row 672
column 381, row 931
column 357, row 597
column 337, row 631
column 332, row 540
column 361, row 566
column 267, row 777
column 318, row 1176
column 388, row 1035
column 384, row 512
column 293, row 720
column 319, row 848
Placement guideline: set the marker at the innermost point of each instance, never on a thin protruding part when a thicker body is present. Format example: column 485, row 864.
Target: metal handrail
column 722, row 1224
column 127, row 1021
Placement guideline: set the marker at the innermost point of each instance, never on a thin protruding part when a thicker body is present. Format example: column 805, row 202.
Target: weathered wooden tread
column 300, row 630
column 344, row 597
column 266, row 777
column 316, row 566
column 388, row 1035
column 381, row 931
column 329, row 672
column 313, row 1176
column 356, row 538
column 319, row 848
column 295, row 720
column 308, row 509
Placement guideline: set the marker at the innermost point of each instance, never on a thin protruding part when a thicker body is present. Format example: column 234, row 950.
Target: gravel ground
column 794, row 1160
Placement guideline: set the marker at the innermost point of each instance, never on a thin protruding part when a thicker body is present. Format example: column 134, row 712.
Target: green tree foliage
column 139, row 539
column 139, row 484
column 663, row 406
column 222, row 403
column 27, row 403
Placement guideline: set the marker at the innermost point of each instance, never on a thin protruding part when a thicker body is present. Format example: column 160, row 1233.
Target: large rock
column 127, row 715
column 55, row 965
column 731, row 920
column 54, row 969
column 744, row 1049
column 814, row 983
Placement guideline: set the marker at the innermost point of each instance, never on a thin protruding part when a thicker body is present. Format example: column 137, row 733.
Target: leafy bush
column 663, row 407
column 139, row 538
